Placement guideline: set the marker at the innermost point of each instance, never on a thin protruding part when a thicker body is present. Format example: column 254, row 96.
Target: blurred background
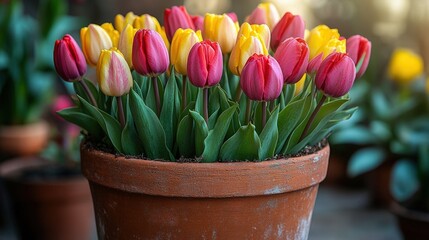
column 379, row 168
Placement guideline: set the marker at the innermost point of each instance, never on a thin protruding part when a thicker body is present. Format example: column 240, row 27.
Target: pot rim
column 204, row 180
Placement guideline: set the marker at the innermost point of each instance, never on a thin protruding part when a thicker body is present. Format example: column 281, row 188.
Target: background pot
column 414, row 224
column 136, row 198
column 48, row 209
column 23, row 140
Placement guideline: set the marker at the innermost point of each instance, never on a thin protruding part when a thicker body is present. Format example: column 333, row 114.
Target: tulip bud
column 198, row 22
column 175, row 18
column 233, row 17
column 221, row 29
column 322, row 39
column 264, row 13
column 336, row 75
column 69, row 60
column 147, row 21
column 405, row 66
column 113, row 73
column 292, row 55
column 262, row 29
column 94, row 39
column 121, row 21
column 112, row 32
column 289, row 26
column 205, row 64
column 245, row 47
column 261, row 79
column 181, row 44
column 150, row 56
column 299, row 86
column 126, row 43
column 359, row 49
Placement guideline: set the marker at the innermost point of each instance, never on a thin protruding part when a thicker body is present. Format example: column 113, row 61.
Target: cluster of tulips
column 295, row 83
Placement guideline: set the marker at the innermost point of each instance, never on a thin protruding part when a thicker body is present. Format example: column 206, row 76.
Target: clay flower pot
column 143, row 199
column 414, row 224
column 23, row 140
column 48, row 202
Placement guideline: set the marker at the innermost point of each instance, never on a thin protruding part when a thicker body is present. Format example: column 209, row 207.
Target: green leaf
column 326, row 110
column 217, row 135
column 109, row 124
column 243, row 145
column 201, row 132
column 131, row 143
column 76, row 116
column 404, row 180
column 186, row 137
column 269, row 137
column 199, row 102
column 365, row 160
column 149, row 129
column 168, row 115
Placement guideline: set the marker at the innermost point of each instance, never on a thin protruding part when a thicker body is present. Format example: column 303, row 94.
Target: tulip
column 112, row 32
column 359, row 49
column 150, row 56
column 113, row 73
column 289, row 26
column 175, row 18
column 245, row 47
column 147, row 21
column 69, row 60
column 262, row 29
column 405, row 66
column 233, row 16
column 198, row 22
column 94, row 39
column 292, row 55
column 121, row 21
column 205, row 64
column 320, row 37
column 126, row 43
column 181, row 44
column 262, row 78
column 336, row 75
column 221, row 29
column 299, row 86
column 264, row 13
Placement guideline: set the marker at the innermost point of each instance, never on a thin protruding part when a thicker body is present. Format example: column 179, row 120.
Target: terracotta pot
column 414, row 225
column 23, row 140
column 379, row 184
column 48, row 209
column 143, row 199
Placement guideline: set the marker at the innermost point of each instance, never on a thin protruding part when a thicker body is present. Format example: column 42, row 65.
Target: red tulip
column 359, row 47
column 150, row 56
column 205, row 64
column 292, row 55
column 175, row 18
column 261, row 78
column 69, row 60
column 289, row 26
column 198, row 22
column 336, row 75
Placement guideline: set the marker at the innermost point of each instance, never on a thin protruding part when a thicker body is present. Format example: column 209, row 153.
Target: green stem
column 248, row 109
column 88, row 92
column 238, row 93
column 206, row 104
column 157, row 98
column 121, row 114
column 313, row 115
column 264, row 114
column 272, row 105
column 184, row 97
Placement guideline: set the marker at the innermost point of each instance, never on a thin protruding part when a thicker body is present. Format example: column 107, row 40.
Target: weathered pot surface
column 143, row 199
column 414, row 224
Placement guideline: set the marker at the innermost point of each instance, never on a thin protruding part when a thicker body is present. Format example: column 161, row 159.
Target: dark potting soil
column 88, row 144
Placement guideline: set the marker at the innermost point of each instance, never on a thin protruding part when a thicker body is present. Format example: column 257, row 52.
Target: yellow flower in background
column 94, row 39
column 121, row 21
column 113, row 33
column 181, row 44
column 126, row 43
column 221, row 29
column 300, row 85
column 323, row 39
column 405, row 66
column 262, row 30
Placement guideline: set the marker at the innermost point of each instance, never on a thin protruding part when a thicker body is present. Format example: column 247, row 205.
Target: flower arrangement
column 208, row 88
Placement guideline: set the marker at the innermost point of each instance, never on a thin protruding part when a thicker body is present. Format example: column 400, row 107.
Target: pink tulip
column 359, row 47
column 292, row 55
column 198, row 22
column 233, row 16
column 205, row 64
column 175, row 18
column 289, row 26
column 69, row 60
column 261, row 78
column 264, row 13
column 150, row 56
column 336, row 75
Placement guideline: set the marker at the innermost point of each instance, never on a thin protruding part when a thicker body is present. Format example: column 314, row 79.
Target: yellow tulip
column 126, row 43
column 322, row 36
column 113, row 33
column 181, row 44
column 121, row 21
column 247, row 29
column 300, row 85
column 221, row 29
column 245, row 47
column 94, row 39
column 113, row 73
column 405, row 66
